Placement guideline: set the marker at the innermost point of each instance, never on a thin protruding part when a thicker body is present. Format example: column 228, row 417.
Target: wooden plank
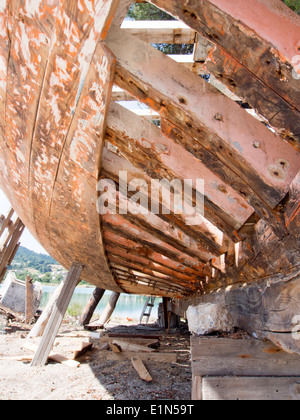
column 145, row 357
column 29, row 300
column 91, row 306
column 141, row 369
column 254, row 389
column 226, row 357
column 53, row 356
column 10, row 246
column 132, row 347
column 84, row 348
column 54, row 323
column 70, row 124
column 197, row 388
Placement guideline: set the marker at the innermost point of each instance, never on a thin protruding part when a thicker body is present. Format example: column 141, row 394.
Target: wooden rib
column 273, row 90
column 165, row 233
column 208, row 235
column 139, row 271
column 259, row 169
column 128, row 272
column 140, row 141
column 124, row 229
column 115, row 240
column 158, row 32
column 127, row 256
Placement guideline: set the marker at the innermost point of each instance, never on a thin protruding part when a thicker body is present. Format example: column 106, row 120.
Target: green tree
column 146, row 11
column 293, row 4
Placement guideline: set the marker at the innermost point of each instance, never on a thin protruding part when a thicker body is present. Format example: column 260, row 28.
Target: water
column 129, row 306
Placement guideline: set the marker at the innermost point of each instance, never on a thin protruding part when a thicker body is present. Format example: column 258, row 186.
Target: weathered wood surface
column 227, row 357
column 141, row 369
column 251, row 389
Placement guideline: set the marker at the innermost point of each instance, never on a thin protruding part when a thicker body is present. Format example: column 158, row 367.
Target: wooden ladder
column 149, row 304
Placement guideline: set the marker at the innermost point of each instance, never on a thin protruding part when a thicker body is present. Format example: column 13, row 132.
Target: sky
column 27, row 240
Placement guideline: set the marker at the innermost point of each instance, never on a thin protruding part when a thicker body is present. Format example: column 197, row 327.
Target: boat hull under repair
column 61, row 131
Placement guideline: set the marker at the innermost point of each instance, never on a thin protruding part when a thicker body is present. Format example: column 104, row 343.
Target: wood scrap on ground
column 84, row 348
column 141, row 369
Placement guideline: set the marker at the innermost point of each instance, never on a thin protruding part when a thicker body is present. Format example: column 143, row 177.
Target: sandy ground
column 96, row 378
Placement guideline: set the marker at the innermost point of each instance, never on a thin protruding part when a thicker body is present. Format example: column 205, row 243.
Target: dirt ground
column 96, row 378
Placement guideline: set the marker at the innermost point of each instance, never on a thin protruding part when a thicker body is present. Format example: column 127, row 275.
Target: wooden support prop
column 39, row 327
column 11, row 232
column 91, row 306
column 54, row 323
column 251, row 389
column 29, row 312
column 108, row 311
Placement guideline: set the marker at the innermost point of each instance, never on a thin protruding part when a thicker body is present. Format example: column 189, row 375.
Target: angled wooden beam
column 206, row 115
column 214, row 237
column 9, row 241
column 141, row 140
column 125, row 229
column 271, row 31
column 91, row 306
column 57, row 316
column 136, row 249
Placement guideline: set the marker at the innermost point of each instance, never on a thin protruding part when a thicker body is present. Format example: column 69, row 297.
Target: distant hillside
column 40, row 267
column 26, row 258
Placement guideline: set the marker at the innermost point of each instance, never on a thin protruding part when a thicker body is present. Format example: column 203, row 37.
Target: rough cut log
column 108, row 311
column 91, row 306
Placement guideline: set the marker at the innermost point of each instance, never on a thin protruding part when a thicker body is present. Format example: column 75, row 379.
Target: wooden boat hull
column 61, row 132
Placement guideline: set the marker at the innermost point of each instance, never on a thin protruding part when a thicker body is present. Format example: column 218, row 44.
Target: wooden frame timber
column 86, row 97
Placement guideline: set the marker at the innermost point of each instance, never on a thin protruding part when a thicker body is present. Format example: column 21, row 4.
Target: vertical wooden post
column 91, row 306
column 166, row 317
column 57, row 316
column 29, row 310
